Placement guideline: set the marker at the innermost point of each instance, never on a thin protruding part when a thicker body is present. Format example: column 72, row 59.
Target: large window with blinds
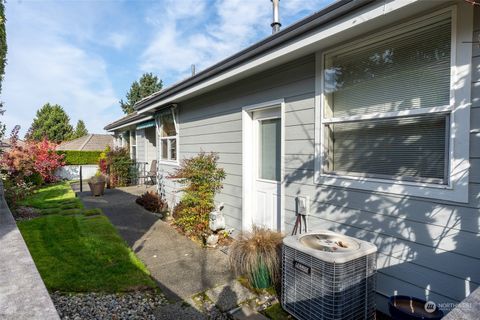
column 386, row 106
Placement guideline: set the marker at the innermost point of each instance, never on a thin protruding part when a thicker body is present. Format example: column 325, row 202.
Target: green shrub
column 202, row 179
column 73, row 157
column 16, row 190
column 35, row 179
column 120, row 167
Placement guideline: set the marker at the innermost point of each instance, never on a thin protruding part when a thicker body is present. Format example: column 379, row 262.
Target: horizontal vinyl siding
column 213, row 123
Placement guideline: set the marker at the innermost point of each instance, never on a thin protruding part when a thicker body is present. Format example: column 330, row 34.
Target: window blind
column 412, row 148
column 408, row 71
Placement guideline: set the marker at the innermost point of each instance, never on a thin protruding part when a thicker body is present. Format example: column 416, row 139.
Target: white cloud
column 117, row 40
column 182, row 37
column 45, row 66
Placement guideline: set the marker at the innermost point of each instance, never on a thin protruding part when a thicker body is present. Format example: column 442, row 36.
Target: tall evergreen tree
column 80, row 130
column 51, row 122
column 3, row 58
column 142, row 88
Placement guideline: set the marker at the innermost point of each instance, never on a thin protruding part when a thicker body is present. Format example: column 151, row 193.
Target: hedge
column 80, row 157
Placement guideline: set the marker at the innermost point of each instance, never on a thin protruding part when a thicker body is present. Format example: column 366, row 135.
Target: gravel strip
column 25, row 213
column 135, row 305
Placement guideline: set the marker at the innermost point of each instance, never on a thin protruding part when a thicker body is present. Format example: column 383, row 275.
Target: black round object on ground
column 411, row 308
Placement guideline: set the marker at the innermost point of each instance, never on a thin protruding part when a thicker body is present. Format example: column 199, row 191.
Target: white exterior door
column 267, row 167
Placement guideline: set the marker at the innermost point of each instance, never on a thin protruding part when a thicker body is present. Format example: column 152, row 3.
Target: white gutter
column 303, row 45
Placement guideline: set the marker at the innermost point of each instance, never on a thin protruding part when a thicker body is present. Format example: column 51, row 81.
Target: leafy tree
column 51, row 123
column 142, row 88
column 80, row 130
column 3, row 57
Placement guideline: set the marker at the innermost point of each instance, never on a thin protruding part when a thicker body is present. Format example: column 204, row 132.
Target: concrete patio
column 181, row 267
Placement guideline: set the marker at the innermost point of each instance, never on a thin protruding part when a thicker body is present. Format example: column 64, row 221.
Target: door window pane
column 269, row 149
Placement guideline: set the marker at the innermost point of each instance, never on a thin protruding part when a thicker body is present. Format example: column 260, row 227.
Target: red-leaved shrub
column 32, row 158
column 47, row 160
column 152, row 201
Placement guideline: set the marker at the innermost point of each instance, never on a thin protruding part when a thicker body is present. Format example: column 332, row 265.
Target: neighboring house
column 6, row 144
column 89, row 142
column 368, row 109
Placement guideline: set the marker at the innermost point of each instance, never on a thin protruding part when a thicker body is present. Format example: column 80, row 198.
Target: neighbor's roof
column 89, row 142
column 6, row 144
column 322, row 17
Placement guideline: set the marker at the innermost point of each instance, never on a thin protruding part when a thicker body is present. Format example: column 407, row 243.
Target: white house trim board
column 459, row 109
column 303, row 46
column 248, row 165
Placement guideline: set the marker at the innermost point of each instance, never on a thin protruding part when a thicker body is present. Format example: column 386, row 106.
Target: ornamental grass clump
column 256, row 255
column 202, row 179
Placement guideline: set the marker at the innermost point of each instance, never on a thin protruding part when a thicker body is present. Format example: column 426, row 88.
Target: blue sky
column 84, row 55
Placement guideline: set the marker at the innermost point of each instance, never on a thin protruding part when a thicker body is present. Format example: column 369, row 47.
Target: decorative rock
column 212, row 240
column 217, row 219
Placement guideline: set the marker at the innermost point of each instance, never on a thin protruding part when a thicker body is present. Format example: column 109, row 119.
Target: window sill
column 456, row 193
column 169, row 162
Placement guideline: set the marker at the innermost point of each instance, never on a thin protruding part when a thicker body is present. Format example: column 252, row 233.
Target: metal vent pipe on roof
column 276, row 19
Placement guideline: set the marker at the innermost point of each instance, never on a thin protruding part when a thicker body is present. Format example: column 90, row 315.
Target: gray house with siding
column 368, row 110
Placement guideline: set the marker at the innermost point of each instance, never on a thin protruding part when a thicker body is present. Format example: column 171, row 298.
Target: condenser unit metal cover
column 328, row 276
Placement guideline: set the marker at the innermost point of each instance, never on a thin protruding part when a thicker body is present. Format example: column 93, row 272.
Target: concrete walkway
column 181, row 267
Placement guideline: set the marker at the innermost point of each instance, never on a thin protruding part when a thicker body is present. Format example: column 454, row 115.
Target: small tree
column 51, row 123
column 80, row 130
column 202, row 179
column 147, row 85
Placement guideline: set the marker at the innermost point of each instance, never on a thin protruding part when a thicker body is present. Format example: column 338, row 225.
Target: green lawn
column 80, row 252
column 53, row 199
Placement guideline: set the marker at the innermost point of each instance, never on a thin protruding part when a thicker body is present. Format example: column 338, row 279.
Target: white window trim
column 133, row 137
column 459, row 109
column 168, row 161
